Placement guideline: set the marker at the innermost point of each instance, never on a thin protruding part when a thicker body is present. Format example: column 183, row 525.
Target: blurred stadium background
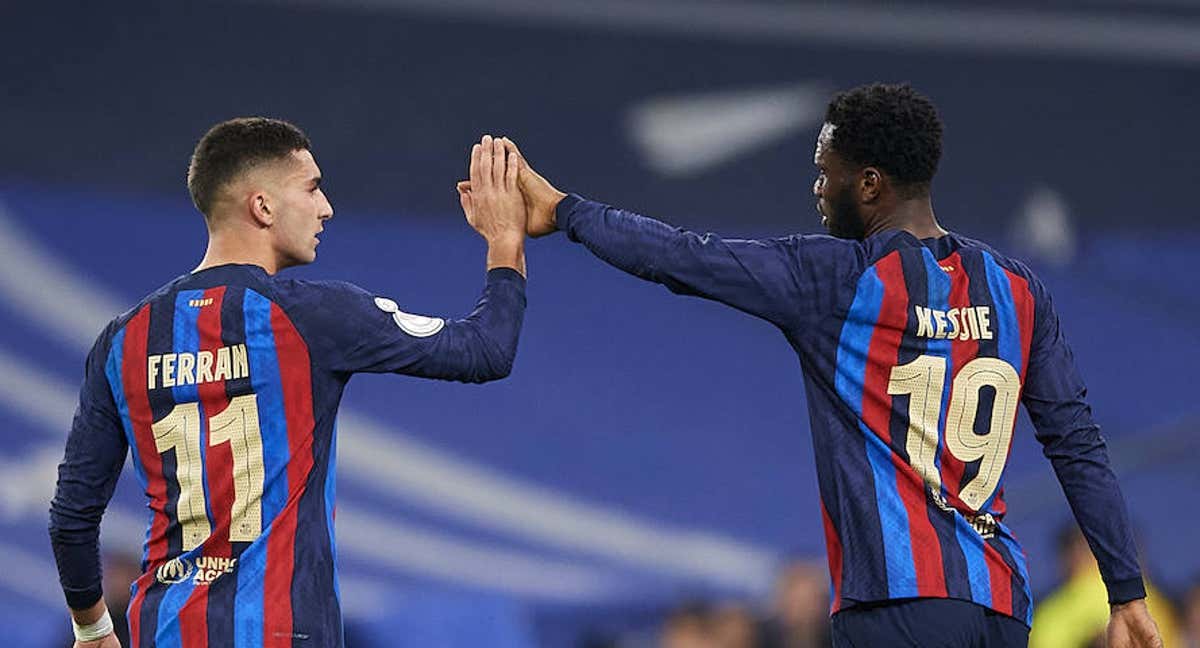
column 648, row 450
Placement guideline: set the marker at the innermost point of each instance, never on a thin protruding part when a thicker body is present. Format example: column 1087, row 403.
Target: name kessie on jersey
column 968, row 323
column 179, row 369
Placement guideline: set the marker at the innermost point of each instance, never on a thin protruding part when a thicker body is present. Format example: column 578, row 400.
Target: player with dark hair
column 224, row 385
column 916, row 345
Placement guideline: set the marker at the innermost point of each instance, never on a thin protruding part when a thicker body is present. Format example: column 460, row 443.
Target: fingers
column 512, row 166
column 464, row 199
column 486, row 157
column 525, row 173
column 476, row 164
column 498, row 162
column 463, row 185
column 511, row 146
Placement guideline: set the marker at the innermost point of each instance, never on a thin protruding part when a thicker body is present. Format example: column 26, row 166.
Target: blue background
column 647, row 448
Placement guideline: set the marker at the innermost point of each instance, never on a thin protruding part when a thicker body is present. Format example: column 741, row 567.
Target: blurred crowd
column 798, row 616
column 1073, row 615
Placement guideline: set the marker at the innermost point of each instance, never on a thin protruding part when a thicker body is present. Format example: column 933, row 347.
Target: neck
column 914, row 216
column 228, row 245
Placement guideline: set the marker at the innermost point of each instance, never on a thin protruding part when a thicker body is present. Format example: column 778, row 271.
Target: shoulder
column 118, row 324
column 824, row 250
column 323, row 303
column 1004, row 261
column 289, row 291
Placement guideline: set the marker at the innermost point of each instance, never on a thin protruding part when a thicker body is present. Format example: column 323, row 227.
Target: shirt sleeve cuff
column 1126, row 590
column 82, row 599
column 566, row 211
column 505, row 275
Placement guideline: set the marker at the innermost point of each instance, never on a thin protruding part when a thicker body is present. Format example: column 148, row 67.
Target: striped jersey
column 223, row 387
column 916, row 354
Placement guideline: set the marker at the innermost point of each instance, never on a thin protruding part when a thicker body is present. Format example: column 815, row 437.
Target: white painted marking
column 687, row 135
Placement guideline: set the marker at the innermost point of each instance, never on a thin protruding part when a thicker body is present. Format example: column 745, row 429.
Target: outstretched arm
column 760, row 277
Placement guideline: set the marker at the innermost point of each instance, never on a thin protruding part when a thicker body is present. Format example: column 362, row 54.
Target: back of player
column 930, row 360
column 917, row 346
column 224, row 385
column 214, row 389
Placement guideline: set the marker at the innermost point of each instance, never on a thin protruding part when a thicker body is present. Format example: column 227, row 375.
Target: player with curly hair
column 917, row 344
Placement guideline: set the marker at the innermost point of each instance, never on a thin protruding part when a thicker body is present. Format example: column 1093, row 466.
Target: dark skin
column 858, row 201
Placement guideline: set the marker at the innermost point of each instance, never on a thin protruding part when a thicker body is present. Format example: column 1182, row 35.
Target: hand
column 491, row 200
column 107, row 641
column 1130, row 626
column 92, row 615
column 541, row 198
column 493, row 204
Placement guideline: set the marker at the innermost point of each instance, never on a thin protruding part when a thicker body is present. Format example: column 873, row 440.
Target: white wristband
column 93, row 631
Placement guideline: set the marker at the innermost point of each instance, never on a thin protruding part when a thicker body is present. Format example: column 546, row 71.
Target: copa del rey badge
column 414, row 325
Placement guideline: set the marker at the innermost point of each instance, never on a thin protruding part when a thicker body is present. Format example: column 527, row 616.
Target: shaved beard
column 844, row 219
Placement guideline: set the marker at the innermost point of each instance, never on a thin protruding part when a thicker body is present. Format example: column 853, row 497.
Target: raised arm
column 1055, row 395
column 352, row 330
column 768, row 278
column 95, row 452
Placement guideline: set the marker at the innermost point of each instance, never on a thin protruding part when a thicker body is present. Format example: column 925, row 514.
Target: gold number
column 923, row 380
column 238, row 424
column 961, row 439
column 180, row 430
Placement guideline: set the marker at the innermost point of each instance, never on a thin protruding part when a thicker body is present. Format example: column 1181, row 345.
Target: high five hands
column 539, row 197
column 493, row 204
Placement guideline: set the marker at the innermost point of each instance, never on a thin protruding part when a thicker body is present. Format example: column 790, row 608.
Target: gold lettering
column 241, row 364
column 152, row 369
column 940, row 318
column 985, row 332
column 223, row 370
column 952, row 315
column 971, row 330
column 168, row 363
column 924, row 323
column 204, row 371
column 187, row 362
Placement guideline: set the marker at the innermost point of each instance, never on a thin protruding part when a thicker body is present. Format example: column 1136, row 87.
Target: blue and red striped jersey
column 223, row 387
column 915, row 355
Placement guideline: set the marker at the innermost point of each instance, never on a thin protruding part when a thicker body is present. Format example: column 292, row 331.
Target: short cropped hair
column 892, row 127
column 232, row 147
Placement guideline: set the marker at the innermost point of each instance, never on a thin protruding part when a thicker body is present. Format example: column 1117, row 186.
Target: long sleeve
column 87, row 476
column 352, row 330
column 1055, row 396
column 769, row 278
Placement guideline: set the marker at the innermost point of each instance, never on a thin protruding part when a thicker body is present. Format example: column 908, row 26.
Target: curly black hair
column 231, row 147
column 892, row 127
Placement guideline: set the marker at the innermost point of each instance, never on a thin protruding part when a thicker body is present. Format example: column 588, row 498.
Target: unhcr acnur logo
column 174, row 571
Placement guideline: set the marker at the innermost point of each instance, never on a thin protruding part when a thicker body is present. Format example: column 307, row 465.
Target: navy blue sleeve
column 350, row 330
column 775, row 279
column 1055, row 396
column 96, row 448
